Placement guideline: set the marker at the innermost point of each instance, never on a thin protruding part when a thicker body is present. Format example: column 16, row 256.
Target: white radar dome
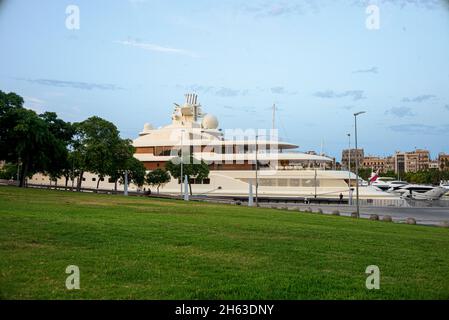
column 209, row 122
column 147, row 127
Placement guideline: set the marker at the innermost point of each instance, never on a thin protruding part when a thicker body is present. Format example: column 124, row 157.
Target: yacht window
column 310, row 182
column 294, row 182
column 162, row 151
column 267, row 182
column 199, row 181
column 282, row 182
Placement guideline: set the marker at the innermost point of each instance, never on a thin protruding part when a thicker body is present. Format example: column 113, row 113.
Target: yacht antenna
column 274, row 116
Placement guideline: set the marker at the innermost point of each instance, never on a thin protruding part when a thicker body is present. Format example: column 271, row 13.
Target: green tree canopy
column 192, row 168
column 157, row 178
column 123, row 153
column 8, row 171
column 136, row 171
column 37, row 142
column 124, row 160
column 94, row 145
column 365, row 173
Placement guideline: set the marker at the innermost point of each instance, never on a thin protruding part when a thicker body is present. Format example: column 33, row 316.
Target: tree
column 136, row 172
column 365, row 173
column 69, row 171
column 192, row 168
column 123, row 154
column 8, row 171
column 93, row 147
column 124, row 160
column 35, row 143
column 63, row 132
column 9, row 100
column 157, row 178
column 428, row 176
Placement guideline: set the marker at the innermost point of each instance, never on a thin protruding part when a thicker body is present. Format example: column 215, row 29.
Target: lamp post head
column 359, row 113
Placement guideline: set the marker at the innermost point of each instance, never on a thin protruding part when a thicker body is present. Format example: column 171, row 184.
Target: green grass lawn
column 140, row 248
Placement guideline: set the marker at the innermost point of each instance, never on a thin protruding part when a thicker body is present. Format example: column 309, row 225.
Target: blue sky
column 317, row 60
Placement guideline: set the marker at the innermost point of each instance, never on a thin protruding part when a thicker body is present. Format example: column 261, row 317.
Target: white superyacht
column 281, row 172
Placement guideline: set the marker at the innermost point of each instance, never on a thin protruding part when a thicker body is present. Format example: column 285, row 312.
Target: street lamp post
column 257, row 177
column 125, row 190
column 349, row 170
column 356, row 162
column 182, row 160
column 73, row 173
column 18, row 172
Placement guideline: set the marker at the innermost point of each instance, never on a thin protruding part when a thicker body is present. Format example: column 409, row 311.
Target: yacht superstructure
column 281, row 171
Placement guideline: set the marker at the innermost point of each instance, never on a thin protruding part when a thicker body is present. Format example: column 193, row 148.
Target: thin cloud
column 74, row 84
column 374, row 70
column 228, row 92
column 218, row 91
column 426, row 4
column 251, row 110
column 281, row 90
column 196, row 88
column 34, row 103
column 417, row 128
column 156, row 48
column 421, row 98
column 278, row 8
column 446, row 107
column 278, row 90
column 400, row 112
column 329, row 94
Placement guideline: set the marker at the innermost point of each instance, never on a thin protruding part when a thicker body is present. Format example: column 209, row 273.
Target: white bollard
column 250, row 195
column 186, row 189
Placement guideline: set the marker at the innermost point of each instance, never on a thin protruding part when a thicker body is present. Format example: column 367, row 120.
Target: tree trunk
column 115, row 185
column 23, row 174
column 158, row 189
column 80, row 181
column 190, row 187
column 98, row 182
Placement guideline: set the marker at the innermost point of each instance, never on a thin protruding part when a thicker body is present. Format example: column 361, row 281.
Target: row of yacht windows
column 169, row 151
column 197, row 181
column 110, row 180
column 272, row 182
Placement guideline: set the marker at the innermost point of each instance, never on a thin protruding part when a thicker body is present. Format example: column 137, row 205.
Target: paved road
column 427, row 216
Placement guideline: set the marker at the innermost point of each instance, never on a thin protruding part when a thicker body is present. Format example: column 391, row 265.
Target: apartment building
column 412, row 161
column 355, row 155
column 443, row 161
